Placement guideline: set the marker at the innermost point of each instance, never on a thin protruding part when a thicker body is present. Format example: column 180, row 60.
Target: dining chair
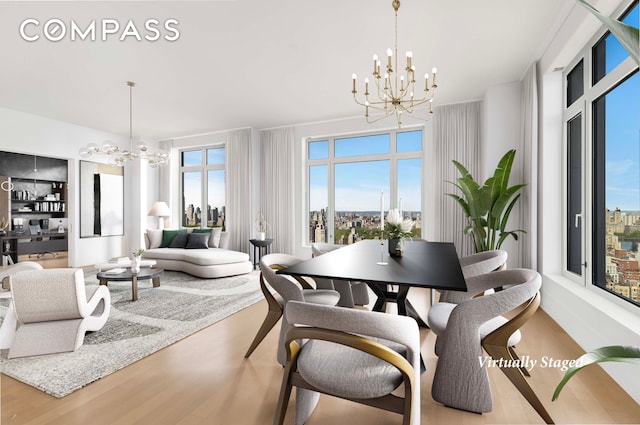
column 351, row 293
column 291, row 289
column 475, row 265
column 465, row 329
column 353, row 354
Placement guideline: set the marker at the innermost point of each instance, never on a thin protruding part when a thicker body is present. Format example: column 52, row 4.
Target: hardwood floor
column 204, row 379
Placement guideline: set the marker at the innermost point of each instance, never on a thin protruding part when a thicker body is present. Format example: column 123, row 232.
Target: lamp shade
column 160, row 209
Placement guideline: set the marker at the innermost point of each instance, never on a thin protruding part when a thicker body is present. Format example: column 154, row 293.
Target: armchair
column 358, row 355
column 291, row 289
column 53, row 309
column 461, row 380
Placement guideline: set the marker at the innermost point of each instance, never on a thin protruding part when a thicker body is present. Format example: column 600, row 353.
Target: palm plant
column 488, row 207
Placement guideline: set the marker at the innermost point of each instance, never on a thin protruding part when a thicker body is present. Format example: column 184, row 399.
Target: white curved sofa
column 212, row 262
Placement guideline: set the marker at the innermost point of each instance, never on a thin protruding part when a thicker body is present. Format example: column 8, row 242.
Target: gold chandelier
column 395, row 93
column 119, row 156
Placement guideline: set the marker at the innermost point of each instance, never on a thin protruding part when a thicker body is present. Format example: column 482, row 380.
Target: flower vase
column 396, row 246
column 135, row 264
column 261, row 236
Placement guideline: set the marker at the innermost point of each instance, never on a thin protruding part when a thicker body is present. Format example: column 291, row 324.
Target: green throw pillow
column 168, row 235
column 201, row 230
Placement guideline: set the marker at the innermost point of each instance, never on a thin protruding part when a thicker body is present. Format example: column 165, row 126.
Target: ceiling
column 256, row 63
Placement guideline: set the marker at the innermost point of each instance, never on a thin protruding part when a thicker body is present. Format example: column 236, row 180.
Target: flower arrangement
column 261, row 224
column 138, row 252
column 395, row 227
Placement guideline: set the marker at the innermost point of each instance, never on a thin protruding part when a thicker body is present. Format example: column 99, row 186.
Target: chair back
column 285, row 286
column 48, row 294
column 461, row 346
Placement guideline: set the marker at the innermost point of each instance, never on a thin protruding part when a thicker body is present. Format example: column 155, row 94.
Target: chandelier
column 395, row 93
column 119, row 156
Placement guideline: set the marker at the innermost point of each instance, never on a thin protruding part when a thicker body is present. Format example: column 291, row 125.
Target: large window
column 602, row 117
column 203, row 187
column 351, row 178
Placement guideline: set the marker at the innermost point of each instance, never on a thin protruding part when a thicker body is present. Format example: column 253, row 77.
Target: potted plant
column 261, row 226
column 395, row 230
column 488, row 206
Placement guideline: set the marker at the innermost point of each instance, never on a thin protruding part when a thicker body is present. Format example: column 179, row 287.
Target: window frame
column 584, row 106
column 204, row 169
column 393, row 157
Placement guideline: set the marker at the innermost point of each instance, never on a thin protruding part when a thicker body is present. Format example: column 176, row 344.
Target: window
column 348, row 176
column 203, row 183
column 602, row 129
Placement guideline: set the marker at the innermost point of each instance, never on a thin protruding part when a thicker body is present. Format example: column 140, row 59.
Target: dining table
column 423, row 264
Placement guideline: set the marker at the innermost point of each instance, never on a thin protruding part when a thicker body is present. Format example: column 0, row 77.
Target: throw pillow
column 179, row 240
column 155, row 238
column 168, row 235
column 197, row 240
column 216, row 233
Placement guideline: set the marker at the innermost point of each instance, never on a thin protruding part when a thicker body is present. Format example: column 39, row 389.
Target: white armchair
column 52, row 310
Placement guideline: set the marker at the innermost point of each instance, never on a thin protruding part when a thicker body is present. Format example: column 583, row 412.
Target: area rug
column 182, row 305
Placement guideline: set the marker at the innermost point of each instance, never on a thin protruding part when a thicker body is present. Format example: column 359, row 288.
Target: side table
column 261, row 246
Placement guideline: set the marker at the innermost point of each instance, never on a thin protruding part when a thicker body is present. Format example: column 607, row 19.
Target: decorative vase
column 396, row 246
column 135, row 264
column 261, row 236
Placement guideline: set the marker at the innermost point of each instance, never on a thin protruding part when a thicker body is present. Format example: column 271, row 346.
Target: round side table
column 262, row 246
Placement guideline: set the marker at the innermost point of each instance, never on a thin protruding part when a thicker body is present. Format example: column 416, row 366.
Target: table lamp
column 160, row 210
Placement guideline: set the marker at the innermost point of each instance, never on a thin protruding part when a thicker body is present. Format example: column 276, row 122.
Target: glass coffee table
column 126, row 275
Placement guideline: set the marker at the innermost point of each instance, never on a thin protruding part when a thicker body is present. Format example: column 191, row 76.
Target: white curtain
column 456, row 135
column 529, row 148
column 276, row 187
column 238, row 187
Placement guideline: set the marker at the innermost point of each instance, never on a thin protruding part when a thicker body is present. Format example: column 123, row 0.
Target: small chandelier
column 395, row 93
column 119, row 156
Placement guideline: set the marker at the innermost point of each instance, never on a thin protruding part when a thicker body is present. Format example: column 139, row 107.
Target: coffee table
column 125, row 276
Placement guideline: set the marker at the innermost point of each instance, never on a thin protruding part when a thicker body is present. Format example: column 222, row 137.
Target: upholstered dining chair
column 465, row 329
column 53, row 309
column 351, row 293
column 291, row 289
column 475, row 265
column 354, row 354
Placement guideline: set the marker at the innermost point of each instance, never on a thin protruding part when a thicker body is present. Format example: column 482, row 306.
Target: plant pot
column 261, row 236
column 396, row 246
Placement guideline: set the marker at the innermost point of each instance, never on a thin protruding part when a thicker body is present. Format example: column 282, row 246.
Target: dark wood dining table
column 424, row 264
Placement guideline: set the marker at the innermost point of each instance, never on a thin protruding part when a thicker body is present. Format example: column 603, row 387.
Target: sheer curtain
column 276, row 187
column 456, row 135
column 239, row 220
column 529, row 147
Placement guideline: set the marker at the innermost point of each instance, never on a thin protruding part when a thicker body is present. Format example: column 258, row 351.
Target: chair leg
column 514, row 356
column 517, row 378
column 269, row 322
column 274, row 313
column 283, row 399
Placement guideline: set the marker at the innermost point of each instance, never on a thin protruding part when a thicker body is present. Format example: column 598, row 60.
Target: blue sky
column 622, row 132
column 358, row 185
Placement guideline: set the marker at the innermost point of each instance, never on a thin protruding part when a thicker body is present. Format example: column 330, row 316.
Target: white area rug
column 182, row 305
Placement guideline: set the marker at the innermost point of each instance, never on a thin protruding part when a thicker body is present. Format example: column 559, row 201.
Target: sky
column 359, row 185
column 622, row 132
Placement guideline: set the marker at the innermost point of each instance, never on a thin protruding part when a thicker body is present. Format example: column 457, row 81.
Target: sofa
column 203, row 253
